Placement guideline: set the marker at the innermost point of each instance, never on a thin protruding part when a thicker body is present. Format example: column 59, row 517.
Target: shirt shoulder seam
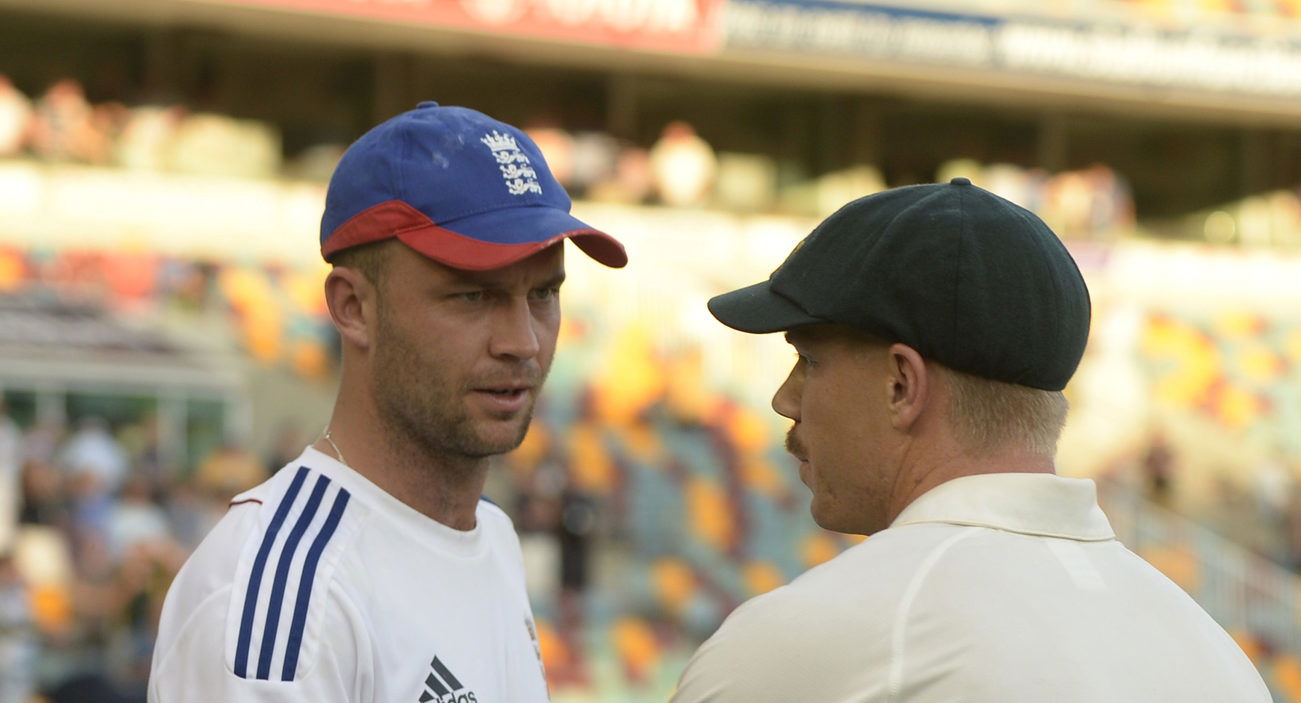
column 899, row 629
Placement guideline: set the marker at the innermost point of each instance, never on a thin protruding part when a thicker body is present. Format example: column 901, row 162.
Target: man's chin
column 828, row 519
column 502, row 436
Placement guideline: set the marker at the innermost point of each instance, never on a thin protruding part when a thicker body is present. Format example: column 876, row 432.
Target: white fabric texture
column 319, row 586
column 987, row 589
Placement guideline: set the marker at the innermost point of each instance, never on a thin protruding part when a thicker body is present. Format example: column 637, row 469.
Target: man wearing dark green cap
column 936, row 326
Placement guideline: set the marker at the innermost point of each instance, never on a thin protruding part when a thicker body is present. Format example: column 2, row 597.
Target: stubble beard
column 826, row 490
column 425, row 410
column 793, row 444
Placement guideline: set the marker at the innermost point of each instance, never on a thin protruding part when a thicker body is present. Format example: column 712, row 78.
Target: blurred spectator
column 192, row 512
column 88, row 688
column 630, row 182
column 142, row 442
column 1158, row 469
column 121, row 575
column 65, row 126
column 43, row 438
column 1292, row 528
column 11, row 464
column 146, row 132
column 537, row 515
column 145, row 570
column 43, row 499
column 92, row 452
column 136, row 520
column 1228, row 505
column 17, row 637
column 557, row 146
column 94, row 466
column 289, row 443
column 230, row 469
column 682, row 166
column 89, row 510
column 1272, row 490
column 594, row 156
column 575, row 530
column 15, row 118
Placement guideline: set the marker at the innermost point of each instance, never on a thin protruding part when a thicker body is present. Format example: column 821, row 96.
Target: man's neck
column 442, row 487
column 927, row 465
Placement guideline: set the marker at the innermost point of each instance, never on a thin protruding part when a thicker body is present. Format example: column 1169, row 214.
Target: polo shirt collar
column 1028, row 503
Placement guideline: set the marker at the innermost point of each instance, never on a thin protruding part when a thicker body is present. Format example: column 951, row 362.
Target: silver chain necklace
column 326, row 435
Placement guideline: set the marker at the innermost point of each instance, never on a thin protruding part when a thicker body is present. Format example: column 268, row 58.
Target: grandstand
column 162, row 170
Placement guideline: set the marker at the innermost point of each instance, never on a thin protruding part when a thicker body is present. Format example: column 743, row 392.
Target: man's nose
column 786, row 401
column 515, row 331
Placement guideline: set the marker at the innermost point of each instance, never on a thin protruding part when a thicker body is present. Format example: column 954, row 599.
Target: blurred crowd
column 63, row 125
column 1226, row 529
column 647, row 511
column 1257, row 505
column 649, row 505
column 678, row 168
column 93, row 526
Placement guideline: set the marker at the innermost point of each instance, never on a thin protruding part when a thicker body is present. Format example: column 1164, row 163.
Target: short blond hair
column 988, row 415
column 369, row 259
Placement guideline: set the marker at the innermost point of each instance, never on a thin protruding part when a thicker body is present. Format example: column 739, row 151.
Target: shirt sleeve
column 194, row 667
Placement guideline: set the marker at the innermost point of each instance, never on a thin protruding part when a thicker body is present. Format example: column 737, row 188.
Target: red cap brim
column 451, row 247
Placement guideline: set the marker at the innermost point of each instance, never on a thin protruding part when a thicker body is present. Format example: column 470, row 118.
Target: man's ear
column 908, row 386
column 352, row 300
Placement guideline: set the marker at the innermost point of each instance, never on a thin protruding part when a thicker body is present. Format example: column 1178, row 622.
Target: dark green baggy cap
column 966, row 278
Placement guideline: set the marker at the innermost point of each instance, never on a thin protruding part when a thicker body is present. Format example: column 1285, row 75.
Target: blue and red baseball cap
column 459, row 187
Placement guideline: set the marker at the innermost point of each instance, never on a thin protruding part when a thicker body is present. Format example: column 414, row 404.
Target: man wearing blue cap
column 935, row 327
column 370, row 569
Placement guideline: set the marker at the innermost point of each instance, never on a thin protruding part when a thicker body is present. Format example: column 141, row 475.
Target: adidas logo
column 442, row 687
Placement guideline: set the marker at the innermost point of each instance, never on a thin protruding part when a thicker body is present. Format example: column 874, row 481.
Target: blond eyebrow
column 485, row 279
column 554, row 282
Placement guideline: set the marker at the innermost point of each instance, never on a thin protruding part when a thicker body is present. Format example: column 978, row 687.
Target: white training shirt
column 319, row 586
column 987, row 589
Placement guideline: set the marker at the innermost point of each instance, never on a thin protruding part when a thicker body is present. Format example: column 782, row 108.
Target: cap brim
column 471, row 243
column 758, row 310
column 485, row 241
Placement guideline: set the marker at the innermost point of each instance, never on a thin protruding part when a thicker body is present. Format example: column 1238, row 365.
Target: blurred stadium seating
column 161, row 175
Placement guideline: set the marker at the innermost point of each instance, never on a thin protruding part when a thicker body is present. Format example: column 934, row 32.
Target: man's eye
column 472, row 296
column 544, row 293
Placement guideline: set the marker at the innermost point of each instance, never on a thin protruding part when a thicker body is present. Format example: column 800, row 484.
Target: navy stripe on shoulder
column 299, row 621
column 282, row 577
column 488, row 500
column 259, row 564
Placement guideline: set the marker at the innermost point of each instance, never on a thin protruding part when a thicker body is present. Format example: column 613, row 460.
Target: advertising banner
column 677, row 26
column 1204, row 58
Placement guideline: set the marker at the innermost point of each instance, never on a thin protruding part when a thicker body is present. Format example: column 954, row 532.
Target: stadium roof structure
column 1176, row 62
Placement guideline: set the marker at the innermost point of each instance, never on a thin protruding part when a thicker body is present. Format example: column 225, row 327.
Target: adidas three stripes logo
column 442, row 687
column 279, row 588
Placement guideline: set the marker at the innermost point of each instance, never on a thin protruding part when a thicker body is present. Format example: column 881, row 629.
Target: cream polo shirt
column 998, row 588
